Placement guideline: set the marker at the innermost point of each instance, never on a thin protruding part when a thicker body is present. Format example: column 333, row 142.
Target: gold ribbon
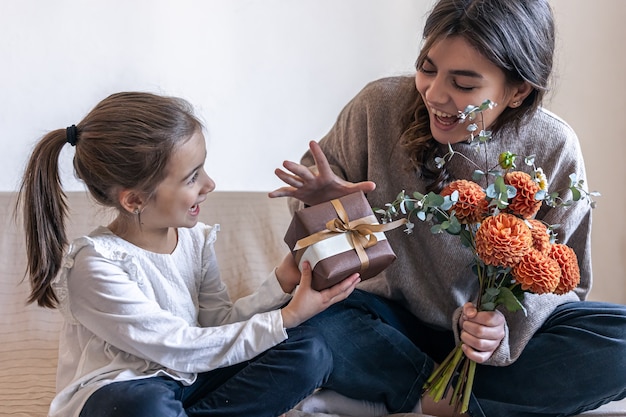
column 360, row 232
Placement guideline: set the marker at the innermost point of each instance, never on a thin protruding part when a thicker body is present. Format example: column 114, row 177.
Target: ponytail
column 125, row 142
column 44, row 210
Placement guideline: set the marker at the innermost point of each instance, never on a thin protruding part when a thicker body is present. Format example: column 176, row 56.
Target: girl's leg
column 138, row 398
column 574, row 363
column 373, row 359
column 269, row 385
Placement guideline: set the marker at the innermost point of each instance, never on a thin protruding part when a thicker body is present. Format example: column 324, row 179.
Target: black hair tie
column 71, row 134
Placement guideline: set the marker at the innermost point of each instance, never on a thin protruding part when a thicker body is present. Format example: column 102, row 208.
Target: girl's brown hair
column 516, row 35
column 125, row 142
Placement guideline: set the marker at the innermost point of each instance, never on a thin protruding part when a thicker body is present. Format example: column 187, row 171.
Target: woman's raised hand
column 316, row 184
column 307, row 302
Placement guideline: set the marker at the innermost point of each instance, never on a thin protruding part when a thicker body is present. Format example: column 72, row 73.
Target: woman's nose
column 436, row 92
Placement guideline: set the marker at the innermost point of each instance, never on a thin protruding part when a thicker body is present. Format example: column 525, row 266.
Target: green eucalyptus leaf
column 488, row 306
column 434, row 200
column 541, row 195
column 492, row 291
column 509, row 300
column 499, row 185
column 511, row 191
column 454, row 227
column 466, row 238
column 478, row 175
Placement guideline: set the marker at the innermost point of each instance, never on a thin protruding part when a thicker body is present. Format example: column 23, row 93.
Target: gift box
column 338, row 238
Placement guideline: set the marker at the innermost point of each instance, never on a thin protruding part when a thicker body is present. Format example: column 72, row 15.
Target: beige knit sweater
column 432, row 275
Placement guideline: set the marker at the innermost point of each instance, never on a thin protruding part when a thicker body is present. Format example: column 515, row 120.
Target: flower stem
column 440, row 380
column 468, row 387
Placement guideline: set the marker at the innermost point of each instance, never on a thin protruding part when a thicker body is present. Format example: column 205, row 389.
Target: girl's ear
column 131, row 201
column 520, row 92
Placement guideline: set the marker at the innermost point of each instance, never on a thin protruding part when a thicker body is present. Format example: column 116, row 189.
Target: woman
column 566, row 355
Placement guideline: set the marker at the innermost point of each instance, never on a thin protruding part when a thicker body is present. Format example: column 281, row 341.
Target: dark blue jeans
column 574, row 363
column 266, row 386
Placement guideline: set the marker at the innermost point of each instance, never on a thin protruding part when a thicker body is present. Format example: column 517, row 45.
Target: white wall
column 269, row 75
column 590, row 94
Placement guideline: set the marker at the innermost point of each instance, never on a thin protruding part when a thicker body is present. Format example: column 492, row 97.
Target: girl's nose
column 208, row 184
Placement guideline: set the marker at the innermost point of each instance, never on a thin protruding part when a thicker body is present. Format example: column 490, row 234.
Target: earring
column 516, row 103
column 136, row 211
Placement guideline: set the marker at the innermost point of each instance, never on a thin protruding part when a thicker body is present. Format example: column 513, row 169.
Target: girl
column 566, row 355
column 149, row 329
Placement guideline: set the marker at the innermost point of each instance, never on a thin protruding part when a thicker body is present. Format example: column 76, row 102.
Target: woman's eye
column 427, row 70
column 462, row 87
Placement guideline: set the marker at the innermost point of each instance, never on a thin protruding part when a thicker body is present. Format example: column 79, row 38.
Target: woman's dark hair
column 516, row 35
column 125, row 142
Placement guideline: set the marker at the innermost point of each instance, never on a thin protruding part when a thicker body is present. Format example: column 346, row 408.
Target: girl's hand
column 288, row 274
column 307, row 302
column 316, row 184
column 481, row 332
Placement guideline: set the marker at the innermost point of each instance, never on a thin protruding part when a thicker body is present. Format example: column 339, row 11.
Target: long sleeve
column 133, row 314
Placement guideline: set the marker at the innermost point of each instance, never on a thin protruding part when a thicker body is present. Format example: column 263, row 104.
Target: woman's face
column 453, row 76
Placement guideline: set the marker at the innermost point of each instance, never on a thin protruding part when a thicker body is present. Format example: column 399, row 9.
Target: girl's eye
column 194, row 178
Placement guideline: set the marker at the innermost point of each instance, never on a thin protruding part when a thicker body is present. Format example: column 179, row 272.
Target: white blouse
column 130, row 313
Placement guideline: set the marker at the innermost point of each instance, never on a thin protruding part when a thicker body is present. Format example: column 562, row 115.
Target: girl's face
column 176, row 202
column 453, row 76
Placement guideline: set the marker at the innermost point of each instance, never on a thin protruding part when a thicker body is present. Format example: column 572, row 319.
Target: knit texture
column 432, row 276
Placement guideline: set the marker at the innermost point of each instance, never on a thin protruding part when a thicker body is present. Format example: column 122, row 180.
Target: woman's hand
column 481, row 332
column 316, row 184
column 307, row 302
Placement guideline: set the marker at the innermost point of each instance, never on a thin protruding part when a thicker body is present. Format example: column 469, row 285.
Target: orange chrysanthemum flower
column 524, row 202
column 503, row 240
column 541, row 238
column 538, row 273
column 568, row 262
column 472, row 205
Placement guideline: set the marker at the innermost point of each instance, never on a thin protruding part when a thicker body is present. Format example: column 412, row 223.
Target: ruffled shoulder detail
column 106, row 244
column 117, row 250
column 201, row 234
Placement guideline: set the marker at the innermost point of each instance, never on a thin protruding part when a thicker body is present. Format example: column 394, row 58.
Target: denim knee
column 140, row 398
column 311, row 355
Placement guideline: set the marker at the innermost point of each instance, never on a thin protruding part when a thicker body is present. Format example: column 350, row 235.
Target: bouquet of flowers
column 513, row 252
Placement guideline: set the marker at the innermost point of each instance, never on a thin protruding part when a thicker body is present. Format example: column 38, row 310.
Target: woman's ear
column 131, row 201
column 520, row 92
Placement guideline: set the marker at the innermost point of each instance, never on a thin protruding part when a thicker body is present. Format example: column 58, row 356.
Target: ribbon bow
column 360, row 232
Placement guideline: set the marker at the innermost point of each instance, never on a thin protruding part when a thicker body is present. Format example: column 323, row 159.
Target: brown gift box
column 338, row 238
